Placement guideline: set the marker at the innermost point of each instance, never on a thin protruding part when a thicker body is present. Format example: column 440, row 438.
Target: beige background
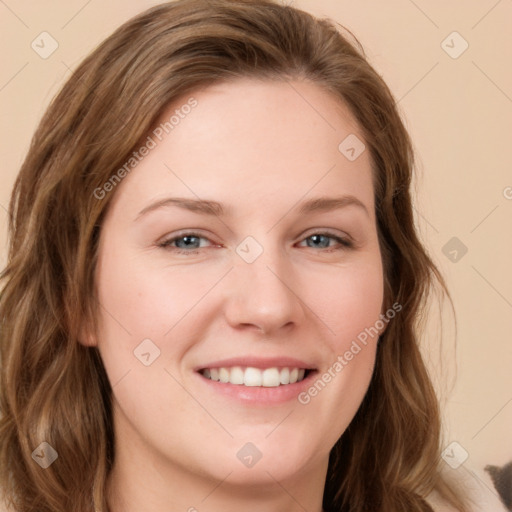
column 459, row 112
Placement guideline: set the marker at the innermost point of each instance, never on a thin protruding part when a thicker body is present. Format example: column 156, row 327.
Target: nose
column 263, row 295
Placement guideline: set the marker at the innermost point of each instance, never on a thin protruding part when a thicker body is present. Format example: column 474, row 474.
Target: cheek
column 350, row 306
column 350, row 302
column 140, row 305
column 141, row 300
column 144, row 301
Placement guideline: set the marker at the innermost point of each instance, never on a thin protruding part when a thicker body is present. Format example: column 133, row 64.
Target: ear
column 383, row 330
column 383, row 322
column 86, row 335
column 386, row 317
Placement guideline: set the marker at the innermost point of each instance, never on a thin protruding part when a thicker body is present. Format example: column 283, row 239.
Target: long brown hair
column 55, row 390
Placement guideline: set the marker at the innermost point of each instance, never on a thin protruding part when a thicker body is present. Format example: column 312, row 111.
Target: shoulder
column 478, row 490
column 438, row 504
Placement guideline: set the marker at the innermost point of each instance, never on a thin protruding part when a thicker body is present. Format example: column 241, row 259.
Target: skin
column 260, row 149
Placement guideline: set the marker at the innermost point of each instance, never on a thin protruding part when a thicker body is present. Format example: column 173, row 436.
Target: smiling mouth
column 253, row 377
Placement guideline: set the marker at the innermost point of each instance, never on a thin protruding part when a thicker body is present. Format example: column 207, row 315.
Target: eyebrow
column 214, row 208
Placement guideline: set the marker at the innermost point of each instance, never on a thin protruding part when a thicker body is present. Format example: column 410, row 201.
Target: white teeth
column 252, row 377
column 270, row 378
column 223, row 375
column 236, row 375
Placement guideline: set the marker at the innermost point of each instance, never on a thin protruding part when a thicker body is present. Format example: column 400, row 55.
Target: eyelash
column 345, row 243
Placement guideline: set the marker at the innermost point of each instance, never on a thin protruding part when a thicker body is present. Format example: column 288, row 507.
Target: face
column 242, row 247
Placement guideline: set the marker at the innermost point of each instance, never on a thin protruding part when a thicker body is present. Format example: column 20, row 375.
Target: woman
column 214, row 279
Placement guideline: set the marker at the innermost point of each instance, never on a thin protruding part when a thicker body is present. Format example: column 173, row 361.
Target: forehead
column 245, row 140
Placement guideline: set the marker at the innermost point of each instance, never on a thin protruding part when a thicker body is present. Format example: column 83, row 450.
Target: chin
column 260, row 461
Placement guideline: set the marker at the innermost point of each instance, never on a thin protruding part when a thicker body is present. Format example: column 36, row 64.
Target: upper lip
column 258, row 362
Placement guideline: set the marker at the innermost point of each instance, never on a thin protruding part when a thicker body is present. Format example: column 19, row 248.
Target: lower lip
column 259, row 395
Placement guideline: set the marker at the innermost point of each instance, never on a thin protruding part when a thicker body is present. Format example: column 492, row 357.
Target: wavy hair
column 54, row 389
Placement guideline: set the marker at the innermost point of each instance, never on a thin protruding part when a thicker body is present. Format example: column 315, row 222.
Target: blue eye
column 187, row 243
column 323, row 241
column 190, row 243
